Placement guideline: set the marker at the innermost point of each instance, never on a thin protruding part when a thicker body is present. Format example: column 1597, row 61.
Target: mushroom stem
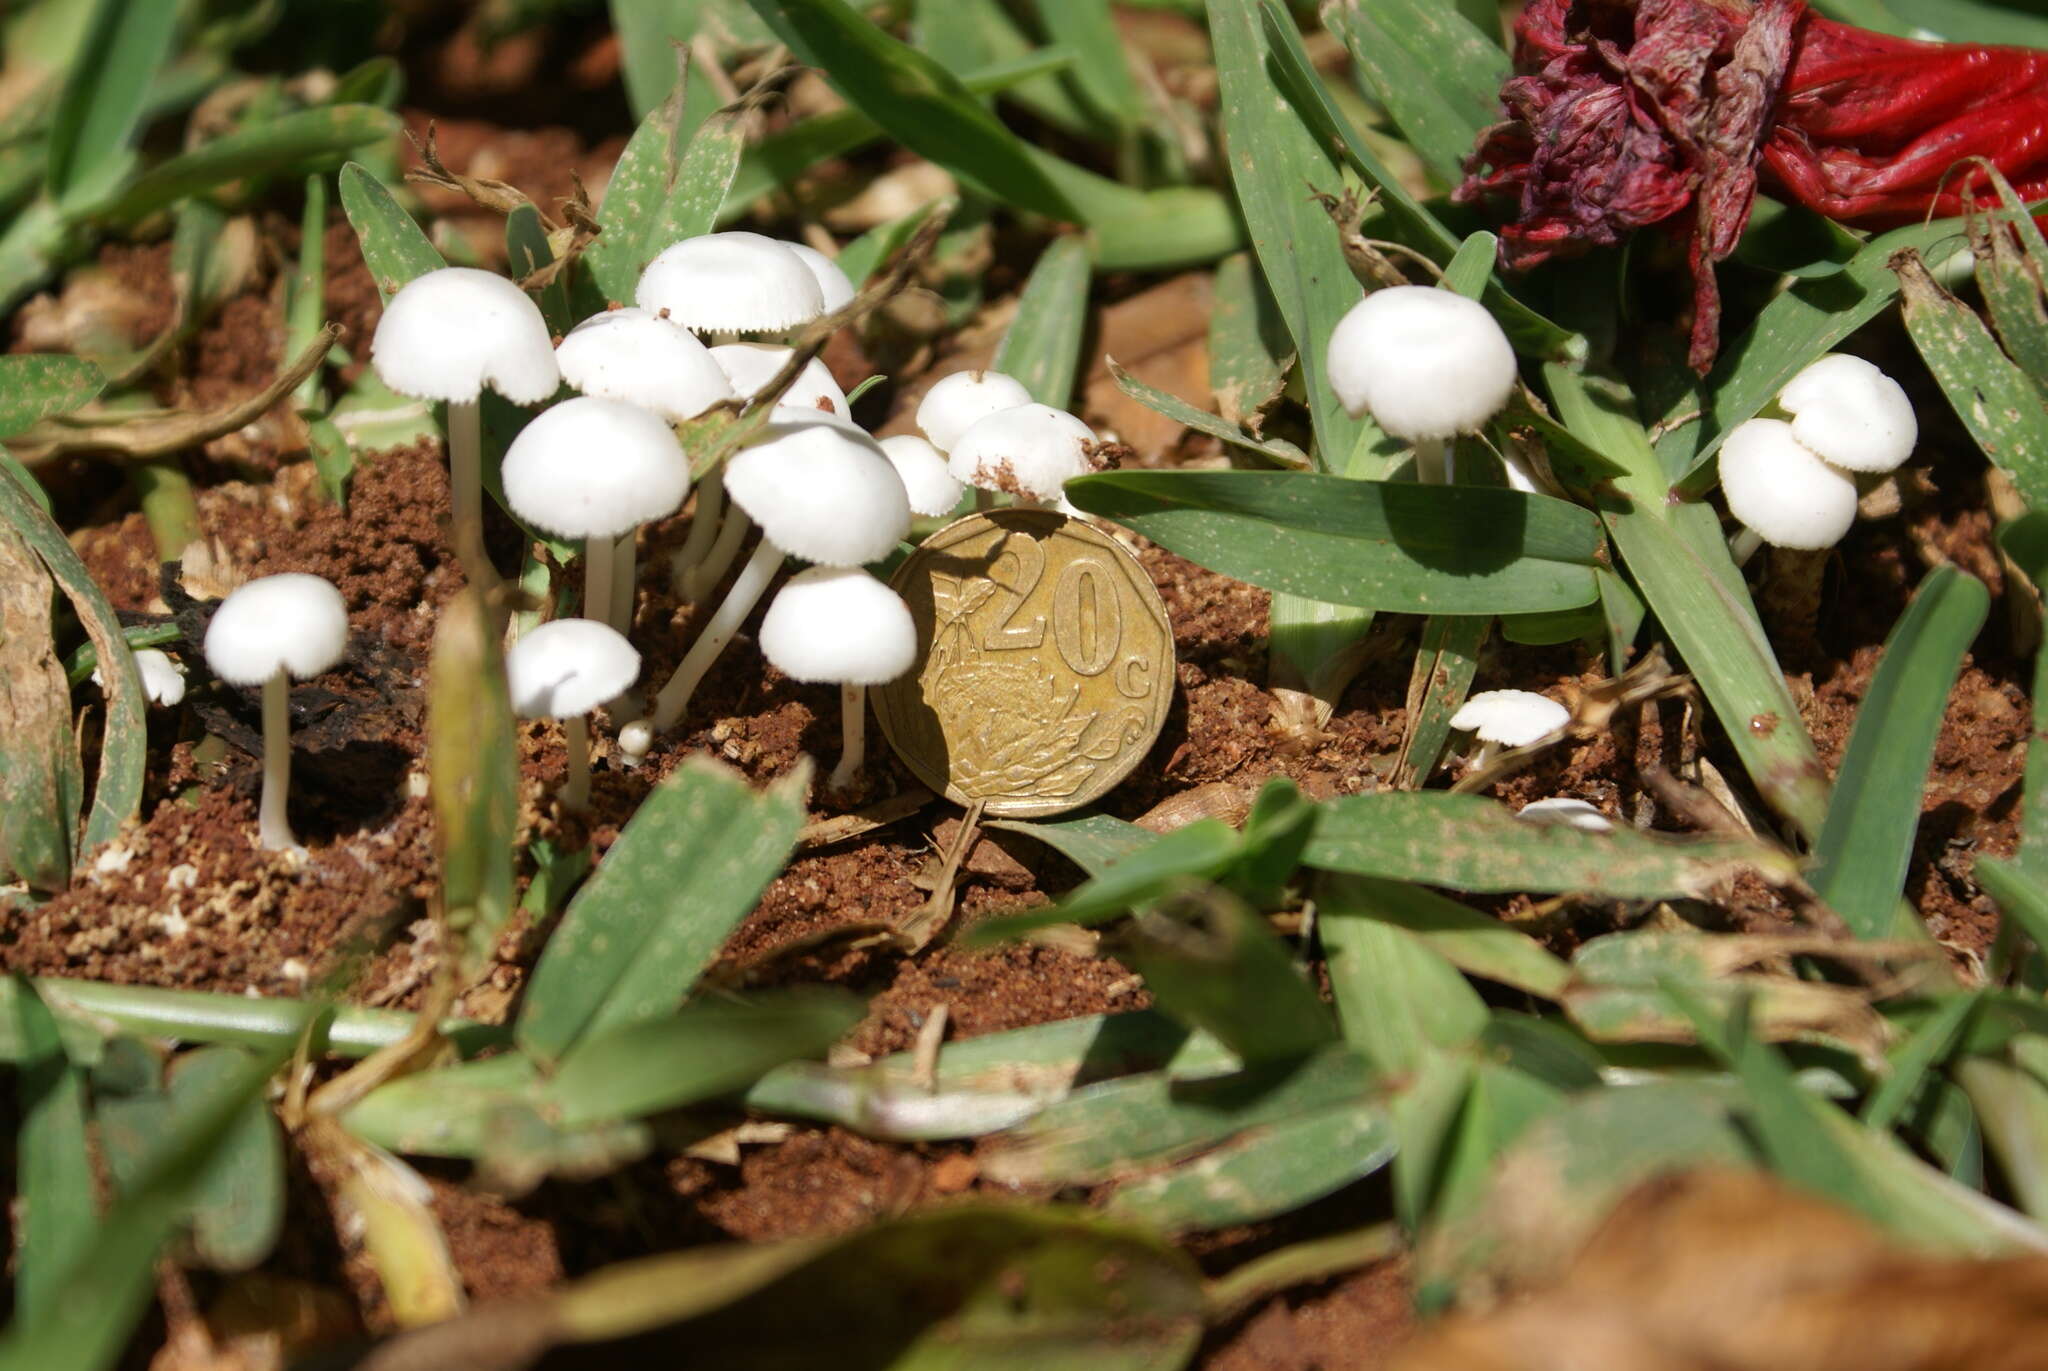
column 674, row 700
column 1432, row 462
column 575, row 792
column 1743, row 546
column 466, row 469
column 853, row 712
column 625, row 580
column 984, row 500
column 705, row 576
column 598, row 570
column 704, row 530
column 273, row 828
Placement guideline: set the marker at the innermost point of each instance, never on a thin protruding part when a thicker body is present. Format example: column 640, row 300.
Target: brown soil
column 185, row 899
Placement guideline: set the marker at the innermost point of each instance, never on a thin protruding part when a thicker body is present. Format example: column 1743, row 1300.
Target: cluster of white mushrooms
column 1791, row 481
column 598, row 466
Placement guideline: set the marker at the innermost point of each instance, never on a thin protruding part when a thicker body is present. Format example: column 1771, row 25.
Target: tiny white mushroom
column 597, row 470
column 933, row 490
column 1030, row 451
column 1562, row 811
column 163, row 680
column 563, row 670
column 833, row 283
column 634, row 357
column 1428, row 364
column 955, row 403
column 445, row 336
column 1782, row 493
column 840, row 624
column 751, row 366
column 731, row 283
column 264, row 633
column 1851, row 414
column 821, row 491
column 1508, row 718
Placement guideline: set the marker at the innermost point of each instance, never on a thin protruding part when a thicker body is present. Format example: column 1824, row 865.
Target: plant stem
column 1432, row 462
column 704, row 529
column 674, row 700
column 853, row 714
column 165, row 493
column 273, row 828
column 1743, row 546
column 625, row 580
column 703, row 578
column 576, row 789
column 466, row 471
column 597, row 579
column 1316, row 1259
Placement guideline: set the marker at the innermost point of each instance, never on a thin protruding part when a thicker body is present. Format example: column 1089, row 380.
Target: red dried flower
column 1628, row 113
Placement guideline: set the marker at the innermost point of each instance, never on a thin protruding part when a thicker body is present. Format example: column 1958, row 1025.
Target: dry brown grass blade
column 159, row 433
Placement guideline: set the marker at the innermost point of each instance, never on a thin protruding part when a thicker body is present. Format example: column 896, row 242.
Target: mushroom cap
column 1851, row 414
column 1427, row 363
column 163, row 680
column 640, row 359
column 290, row 622
column 448, row 334
column 957, row 402
column 751, row 366
column 833, row 283
column 1777, row 487
column 931, row 487
column 1562, row 811
column 591, row 468
column 1512, row 718
column 568, row 667
column 821, row 491
column 731, row 283
column 1030, row 450
column 839, row 624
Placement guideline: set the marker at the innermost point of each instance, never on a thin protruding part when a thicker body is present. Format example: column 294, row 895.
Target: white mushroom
column 597, row 470
column 563, row 670
column 751, row 366
column 840, row 624
column 1782, row 493
column 1030, row 451
column 1561, row 811
column 264, row 633
column 163, row 680
column 833, row 284
column 1850, row 414
column 933, row 491
column 445, row 336
column 1428, row 364
column 731, row 283
column 821, row 491
column 956, row 402
column 1508, row 718
column 634, row 357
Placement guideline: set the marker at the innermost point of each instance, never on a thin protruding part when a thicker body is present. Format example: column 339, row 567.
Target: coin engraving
column 1047, row 663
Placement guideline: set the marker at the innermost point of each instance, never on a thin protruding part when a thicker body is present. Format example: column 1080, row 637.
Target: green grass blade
column 105, row 93
column 2003, row 409
column 1475, row 943
column 1378, row 544
column 2012, row 1105
column 1042, row 346
column 703, row 177
column 1924, row 1050
column 865, row 255
column 917, row 101
column 1200, row 851
column 94, row 1307
column 647, row 31
column 2025, row 540
column 1092, row 842
column 38, row 385
column 688, row 867
column 2010, row 253
column 632, row 197
column 42, row 783
column 1259, row 1175
column 305, row 300
column 1867, row 839
column 1278, row 451
column 394, row 247
column 1436, row 75
column 472, row 777
column 1466, row 842
column 701, row 1052
column 526, row 252
column 117, row 795
column 1397, row 997
column 1250, row 349
column 1101, row 68
column 58, row 1205
column 294, row 143
column 1215, row 964
column 1446, row 664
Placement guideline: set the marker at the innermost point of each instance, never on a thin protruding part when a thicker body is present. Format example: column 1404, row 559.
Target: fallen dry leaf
column 1161, row 337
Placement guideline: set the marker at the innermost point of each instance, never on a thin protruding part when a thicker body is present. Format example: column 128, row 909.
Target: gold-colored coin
column 1047, row 663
